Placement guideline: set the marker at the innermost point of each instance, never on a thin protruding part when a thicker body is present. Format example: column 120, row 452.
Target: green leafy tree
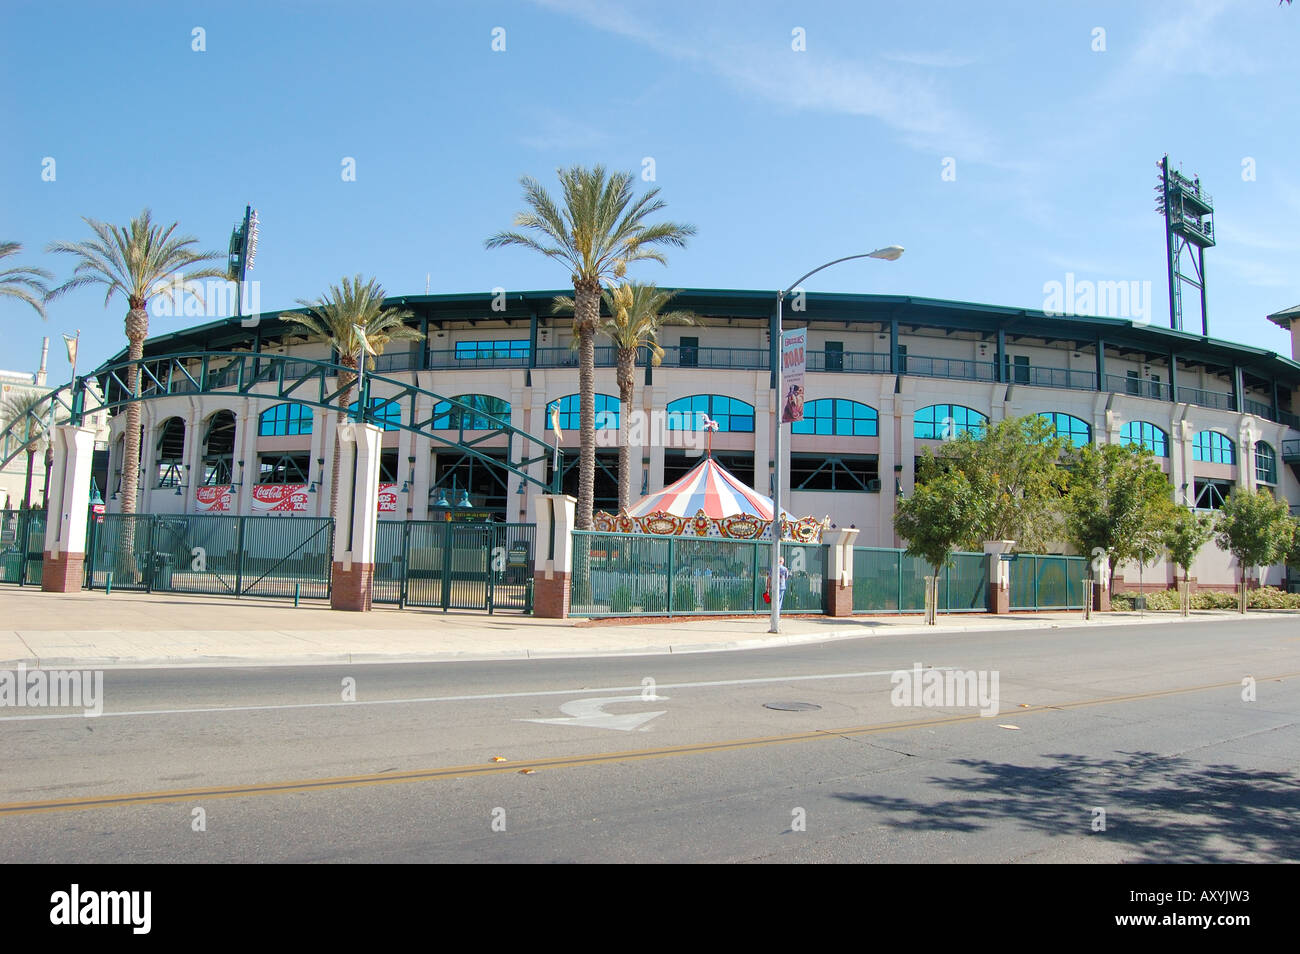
column 1293, row 551
column 336, row 317
column 1186, row 534
column 943, row 513
column 25, row 284
column 1254, row 528
column 137, row 261
column 596, row 232
column 1118, row 506
column 635, row 314
column 1013, row 466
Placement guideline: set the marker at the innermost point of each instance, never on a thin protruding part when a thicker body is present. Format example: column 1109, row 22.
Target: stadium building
column 887, row 377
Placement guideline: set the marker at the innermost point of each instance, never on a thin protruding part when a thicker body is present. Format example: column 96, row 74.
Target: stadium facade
column 887, row 377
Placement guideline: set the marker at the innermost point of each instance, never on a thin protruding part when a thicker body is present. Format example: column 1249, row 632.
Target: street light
column 889, row 253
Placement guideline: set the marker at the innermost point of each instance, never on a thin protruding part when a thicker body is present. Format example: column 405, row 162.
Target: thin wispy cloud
column 914, row 106
column 939, row 60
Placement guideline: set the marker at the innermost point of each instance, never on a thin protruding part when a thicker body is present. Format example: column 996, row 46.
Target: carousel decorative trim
column 736, row 527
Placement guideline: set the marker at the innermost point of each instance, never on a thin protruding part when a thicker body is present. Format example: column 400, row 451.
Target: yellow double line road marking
column 575, row 761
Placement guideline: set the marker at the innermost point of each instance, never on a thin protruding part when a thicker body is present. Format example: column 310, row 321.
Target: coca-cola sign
column 212, row 499
column 280, row 498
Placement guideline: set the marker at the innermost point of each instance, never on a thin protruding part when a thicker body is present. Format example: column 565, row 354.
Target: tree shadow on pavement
column 1166, row 808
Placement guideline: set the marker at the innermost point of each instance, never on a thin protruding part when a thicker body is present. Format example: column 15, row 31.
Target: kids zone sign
column 277, row 498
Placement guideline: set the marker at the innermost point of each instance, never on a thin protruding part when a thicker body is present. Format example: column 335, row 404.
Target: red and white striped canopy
column 708, row 487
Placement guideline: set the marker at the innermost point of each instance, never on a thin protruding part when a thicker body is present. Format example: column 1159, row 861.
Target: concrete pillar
column 999, row 573
column 553, row 561
column 356, row 522
column 69, row 508
column 838, row 596
column 1101, row 589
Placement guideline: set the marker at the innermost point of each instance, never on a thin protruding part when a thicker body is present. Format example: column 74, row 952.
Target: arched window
column 384, row 414
column 1265, row 463
column 1211, row 447
column 486, row 413
column 1145, row 434
column 284, row 420
column 606, row 412
column 940, row 422
column 838, row 416
column 731, row 414
column 171, row 452
column 1075, row 430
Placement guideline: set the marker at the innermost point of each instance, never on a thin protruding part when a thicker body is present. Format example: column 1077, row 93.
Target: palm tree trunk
column 626, row 392
column 27, row 487
column 49, row 463
column 586, row 314
column 346, row 381
column 137, row 329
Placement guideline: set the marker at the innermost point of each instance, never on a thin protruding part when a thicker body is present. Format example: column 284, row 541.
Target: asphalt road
column 1145, row 724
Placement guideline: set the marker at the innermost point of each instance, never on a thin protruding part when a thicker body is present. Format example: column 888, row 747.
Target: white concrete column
column 68, row 509
column 356, row 521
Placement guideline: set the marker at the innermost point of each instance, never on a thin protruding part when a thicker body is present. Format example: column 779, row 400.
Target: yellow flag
column 555, row 422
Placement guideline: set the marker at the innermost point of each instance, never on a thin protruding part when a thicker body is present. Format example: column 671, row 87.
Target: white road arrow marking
column 591, row 713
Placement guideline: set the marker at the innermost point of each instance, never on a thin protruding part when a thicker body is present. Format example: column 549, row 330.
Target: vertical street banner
column 794, row 361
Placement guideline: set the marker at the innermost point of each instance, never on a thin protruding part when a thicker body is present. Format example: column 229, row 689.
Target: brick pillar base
column 1100, row 599
column 352, row 589
column 63, row 574
column 839, row 600
column 999, row 599
column 551, row 597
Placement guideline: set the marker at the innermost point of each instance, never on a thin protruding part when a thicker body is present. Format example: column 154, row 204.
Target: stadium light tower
column 890, row 253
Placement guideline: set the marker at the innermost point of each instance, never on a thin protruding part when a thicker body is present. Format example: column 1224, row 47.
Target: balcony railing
column 1053, row 378
column 568, row 357
column 732, row 359
column 1216, row 399
column 855, row 362
column 1291, row 451
column 948, row 368
column 1138, row 387
column 442, row 360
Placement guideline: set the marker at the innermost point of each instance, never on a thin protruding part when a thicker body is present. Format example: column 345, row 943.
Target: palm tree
column 26, row 415
column 598, row 231
column 25, row 284
column 634, row 319
column 138, row 261
column 336, row 317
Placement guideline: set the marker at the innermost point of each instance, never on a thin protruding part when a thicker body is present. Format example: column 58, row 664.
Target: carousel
column 710, row 502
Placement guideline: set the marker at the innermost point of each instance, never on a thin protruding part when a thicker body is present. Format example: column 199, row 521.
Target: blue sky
column 781, row 158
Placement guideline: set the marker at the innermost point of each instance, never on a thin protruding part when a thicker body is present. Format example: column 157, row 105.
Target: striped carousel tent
column 711, row 488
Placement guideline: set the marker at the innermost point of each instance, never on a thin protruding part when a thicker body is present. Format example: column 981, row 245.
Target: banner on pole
column 794, row 361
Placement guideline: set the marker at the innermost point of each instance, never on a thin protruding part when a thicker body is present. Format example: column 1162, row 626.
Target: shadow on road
column 1166, row 808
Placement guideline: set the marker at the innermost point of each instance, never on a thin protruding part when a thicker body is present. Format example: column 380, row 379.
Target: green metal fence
column 889, row 581
column 22, row 546
column 618, row 574
column 1047, row 582
column 448, row 565
column 214, row 554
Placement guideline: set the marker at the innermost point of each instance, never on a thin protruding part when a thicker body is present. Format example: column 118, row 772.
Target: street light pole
column 889, row 253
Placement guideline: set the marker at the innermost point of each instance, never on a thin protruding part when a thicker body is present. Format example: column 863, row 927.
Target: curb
column 747, row 643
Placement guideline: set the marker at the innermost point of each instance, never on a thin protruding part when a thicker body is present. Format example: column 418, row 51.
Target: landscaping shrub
column 684, row 596
column 1165, row 600
column 620, row 601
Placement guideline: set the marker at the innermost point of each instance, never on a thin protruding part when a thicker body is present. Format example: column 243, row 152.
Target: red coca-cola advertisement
column 212, row 499
column 280, row 498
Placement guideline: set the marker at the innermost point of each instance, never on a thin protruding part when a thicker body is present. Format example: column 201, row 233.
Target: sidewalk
column 135, row 629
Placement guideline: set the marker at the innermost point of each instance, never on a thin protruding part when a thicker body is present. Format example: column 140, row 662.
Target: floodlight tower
column 1189, row 227
column 243, row 251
